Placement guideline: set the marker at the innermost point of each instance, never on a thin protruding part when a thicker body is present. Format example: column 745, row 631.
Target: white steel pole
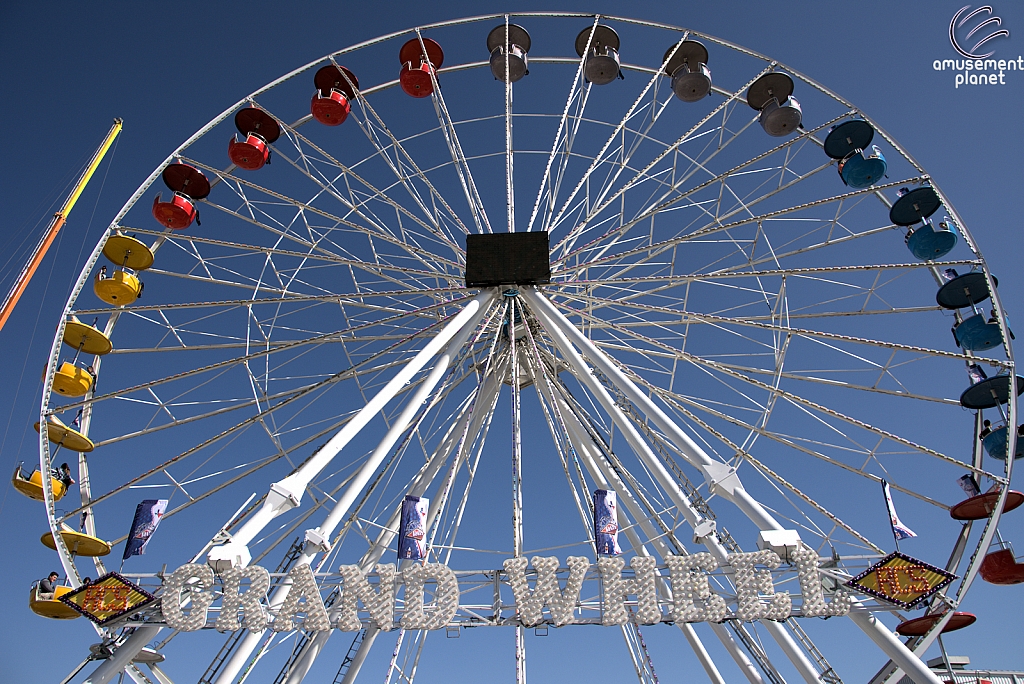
column 605, row 476
column 517, row 467
column 733, row 491
column 120, row 659
column 892, row 646
column 287, row 493
column 561, row 337
column 725, row 484
column 464, row 324
column 471, row 418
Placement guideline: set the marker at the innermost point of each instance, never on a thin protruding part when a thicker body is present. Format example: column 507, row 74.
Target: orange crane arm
column 58, row 222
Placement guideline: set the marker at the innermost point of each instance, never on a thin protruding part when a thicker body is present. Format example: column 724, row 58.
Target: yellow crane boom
column 58, row 222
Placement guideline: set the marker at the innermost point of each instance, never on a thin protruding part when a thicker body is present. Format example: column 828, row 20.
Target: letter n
column 380, row 604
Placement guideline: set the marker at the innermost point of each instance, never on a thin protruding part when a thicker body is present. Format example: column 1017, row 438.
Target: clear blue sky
column 166, row 69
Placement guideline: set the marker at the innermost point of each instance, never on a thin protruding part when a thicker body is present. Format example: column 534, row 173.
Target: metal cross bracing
column 686, row 247
column 796, row 399
column 693, row 494
column 701, row 505
column 349, row 657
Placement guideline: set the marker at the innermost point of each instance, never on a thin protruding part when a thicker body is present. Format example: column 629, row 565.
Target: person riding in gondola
column 48, row 586
column 64, row 475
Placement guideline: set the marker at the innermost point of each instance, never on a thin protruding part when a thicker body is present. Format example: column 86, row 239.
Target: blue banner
column 606, row 523
column 147, row 517
column 412, row 543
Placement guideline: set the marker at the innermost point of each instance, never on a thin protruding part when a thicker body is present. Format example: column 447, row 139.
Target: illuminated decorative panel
column 108, row 598
column 902, row 580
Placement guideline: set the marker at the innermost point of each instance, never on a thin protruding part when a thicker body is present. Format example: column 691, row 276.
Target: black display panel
column 507, row 259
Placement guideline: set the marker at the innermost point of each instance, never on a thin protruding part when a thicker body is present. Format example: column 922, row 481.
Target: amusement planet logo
column 970, row 33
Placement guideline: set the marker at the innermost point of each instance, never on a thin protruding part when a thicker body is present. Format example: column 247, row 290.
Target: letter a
column 303, row 588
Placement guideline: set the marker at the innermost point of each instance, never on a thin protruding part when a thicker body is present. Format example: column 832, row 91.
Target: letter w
column 562, row 604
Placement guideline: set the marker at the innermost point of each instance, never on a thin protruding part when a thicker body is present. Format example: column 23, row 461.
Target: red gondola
column 260, row 130
column 188, row 185
column 920, row 626
column 981, row 506
column 419, row 69
column 335, row 90
column 1000, row 567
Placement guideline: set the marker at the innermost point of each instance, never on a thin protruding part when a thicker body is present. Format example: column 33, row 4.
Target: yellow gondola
column 78, row 543
column 67, row 437
column 71, row 381
column 128, row 252
column 51, row 608
column 121, row 289
column 91, row 340
column 32, row 485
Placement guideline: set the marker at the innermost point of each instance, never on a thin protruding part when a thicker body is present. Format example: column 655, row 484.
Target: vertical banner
column 606, row 523
column 147, row 517
column 899, row 530
column 412, row 543
column 976, row 373
column 969, row 485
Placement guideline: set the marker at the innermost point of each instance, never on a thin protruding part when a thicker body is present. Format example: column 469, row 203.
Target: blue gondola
column 927, row 243
column 995, row 444
column 987, row 393
column 863, row 168
column 861, row 164
column 978, row 334
column 915, row 206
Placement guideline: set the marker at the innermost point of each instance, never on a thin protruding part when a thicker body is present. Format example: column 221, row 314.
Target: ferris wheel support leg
column 722, row 479
column 606, row 477
column 455, row 335
column 892, row 646
column 122, row 656
column 749, row 671
column 360, row 657
column 793, row 651
column 564, row 335
column 286, row 494
column 470, row 421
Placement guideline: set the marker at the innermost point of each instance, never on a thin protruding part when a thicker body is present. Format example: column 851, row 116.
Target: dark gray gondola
column 771, row 95
column 688, row 69
column 848, row 137
column 602, row 61
column 963, row 291
column 914, row 206
column 514, row 48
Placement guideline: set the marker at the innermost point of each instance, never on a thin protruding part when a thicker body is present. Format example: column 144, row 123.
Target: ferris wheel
column 500, row 276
